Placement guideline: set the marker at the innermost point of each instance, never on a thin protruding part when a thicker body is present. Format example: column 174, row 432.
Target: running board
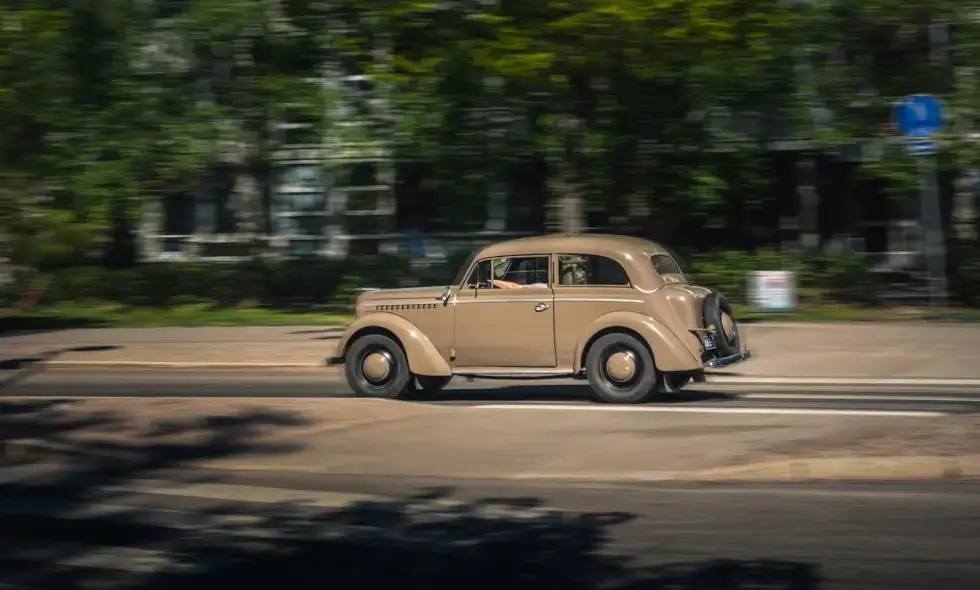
column 511, row 375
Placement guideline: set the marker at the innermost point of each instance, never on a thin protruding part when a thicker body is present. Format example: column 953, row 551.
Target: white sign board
column 772, row 290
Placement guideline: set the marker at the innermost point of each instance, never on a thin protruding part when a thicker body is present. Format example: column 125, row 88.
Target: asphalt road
column 302, row 384
column 235, row 531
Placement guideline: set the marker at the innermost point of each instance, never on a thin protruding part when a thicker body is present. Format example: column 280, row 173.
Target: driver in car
column 500, row 269
column 502, row 284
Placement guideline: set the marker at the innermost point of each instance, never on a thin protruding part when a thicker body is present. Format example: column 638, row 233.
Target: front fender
column 669, row 353
column 423, row 358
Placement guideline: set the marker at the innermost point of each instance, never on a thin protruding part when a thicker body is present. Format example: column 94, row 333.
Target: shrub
column 822, row 277
column 279, row 283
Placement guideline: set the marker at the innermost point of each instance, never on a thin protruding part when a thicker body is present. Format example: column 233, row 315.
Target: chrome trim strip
column 377, row 304
column 596, row 300
column 409, row 306
column 528, row 300
column 531, row 298
column 725, row 361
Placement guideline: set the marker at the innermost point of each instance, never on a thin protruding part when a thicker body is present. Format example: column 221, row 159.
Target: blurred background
column 250, row 161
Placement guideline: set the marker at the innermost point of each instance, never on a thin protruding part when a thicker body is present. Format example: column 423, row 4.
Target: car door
column 504, row 315
column 587, row 287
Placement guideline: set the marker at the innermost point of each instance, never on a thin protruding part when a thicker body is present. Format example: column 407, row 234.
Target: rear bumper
column 334, row 361
column 739, row 357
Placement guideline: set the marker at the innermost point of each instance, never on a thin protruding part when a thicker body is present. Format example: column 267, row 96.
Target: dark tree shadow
column 25, row 367
column 22, row 324
column 54, row 537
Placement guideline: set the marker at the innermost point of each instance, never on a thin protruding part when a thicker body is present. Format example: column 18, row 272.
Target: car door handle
column 541, row 307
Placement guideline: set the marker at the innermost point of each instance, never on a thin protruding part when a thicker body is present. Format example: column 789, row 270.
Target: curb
column 912, row 468
column 179, row 365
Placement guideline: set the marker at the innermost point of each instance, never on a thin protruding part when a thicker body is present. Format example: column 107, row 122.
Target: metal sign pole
column 918, row 118
column 934, row 247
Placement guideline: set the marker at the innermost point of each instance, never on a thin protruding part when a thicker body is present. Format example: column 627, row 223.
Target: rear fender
column 423, row 357
column 669, row 353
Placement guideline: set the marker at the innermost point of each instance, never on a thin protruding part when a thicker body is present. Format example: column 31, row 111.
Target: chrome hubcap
column 621, row 366
column 377, row 366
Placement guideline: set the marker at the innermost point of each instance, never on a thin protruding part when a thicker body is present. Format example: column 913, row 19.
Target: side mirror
column 445, row 295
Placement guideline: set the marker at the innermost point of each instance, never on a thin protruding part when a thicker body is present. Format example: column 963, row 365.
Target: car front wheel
column 620, row 370
column 376, row 366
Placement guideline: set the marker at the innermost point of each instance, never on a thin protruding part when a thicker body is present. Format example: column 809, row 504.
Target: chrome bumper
column 739, row 357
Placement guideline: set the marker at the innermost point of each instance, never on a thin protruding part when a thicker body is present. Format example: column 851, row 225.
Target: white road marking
column 183, row 365
column 856, row 397
column 841, row 381
column 708, row 410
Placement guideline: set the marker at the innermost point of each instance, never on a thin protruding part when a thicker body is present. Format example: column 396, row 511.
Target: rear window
column 665, row 265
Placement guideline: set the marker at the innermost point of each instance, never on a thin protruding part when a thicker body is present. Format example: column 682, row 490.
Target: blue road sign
column 921, row 147
column 919, row 116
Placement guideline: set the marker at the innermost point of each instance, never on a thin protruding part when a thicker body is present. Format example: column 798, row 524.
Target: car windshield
column 465, row 266
column 665, row 265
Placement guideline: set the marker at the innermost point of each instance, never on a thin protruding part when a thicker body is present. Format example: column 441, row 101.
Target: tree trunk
column 964, row 207
column 246, row 195
column 806, row 190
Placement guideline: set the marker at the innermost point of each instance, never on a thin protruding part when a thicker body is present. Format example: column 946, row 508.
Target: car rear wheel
column 620, row 370
column 376, row 366
column 675, row 381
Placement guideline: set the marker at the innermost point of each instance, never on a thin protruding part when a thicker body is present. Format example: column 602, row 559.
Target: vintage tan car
column 615, row 310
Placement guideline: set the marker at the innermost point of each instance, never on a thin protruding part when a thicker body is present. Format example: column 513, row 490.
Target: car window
column 665, row 265
column 465, row 266
column 510, row 272
column 590, row 269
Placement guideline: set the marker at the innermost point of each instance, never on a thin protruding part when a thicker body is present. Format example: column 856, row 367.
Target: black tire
column 639, row 389
column 716, row 306
column 429, row 384
column 391, row 387
column 674, row 382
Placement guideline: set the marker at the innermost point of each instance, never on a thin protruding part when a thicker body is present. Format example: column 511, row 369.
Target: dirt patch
column 216, row 427
column 946, row 437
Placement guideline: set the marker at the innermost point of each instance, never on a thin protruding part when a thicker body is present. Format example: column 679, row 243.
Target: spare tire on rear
column 718, row 313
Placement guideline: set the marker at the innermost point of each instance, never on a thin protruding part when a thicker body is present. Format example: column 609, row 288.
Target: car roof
column 609, row 245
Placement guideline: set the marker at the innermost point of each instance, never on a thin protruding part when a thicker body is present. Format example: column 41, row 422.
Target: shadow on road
column 27, row 366
column 555, row 393
column 418, row 541
column 334, row 332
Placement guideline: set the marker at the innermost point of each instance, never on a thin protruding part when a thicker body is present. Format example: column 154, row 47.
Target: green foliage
column 286, row 283
column 316, row 282
column 654, row 108
column 821, row 278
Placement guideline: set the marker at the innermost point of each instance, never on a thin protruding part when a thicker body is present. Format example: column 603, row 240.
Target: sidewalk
column 839, row 350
